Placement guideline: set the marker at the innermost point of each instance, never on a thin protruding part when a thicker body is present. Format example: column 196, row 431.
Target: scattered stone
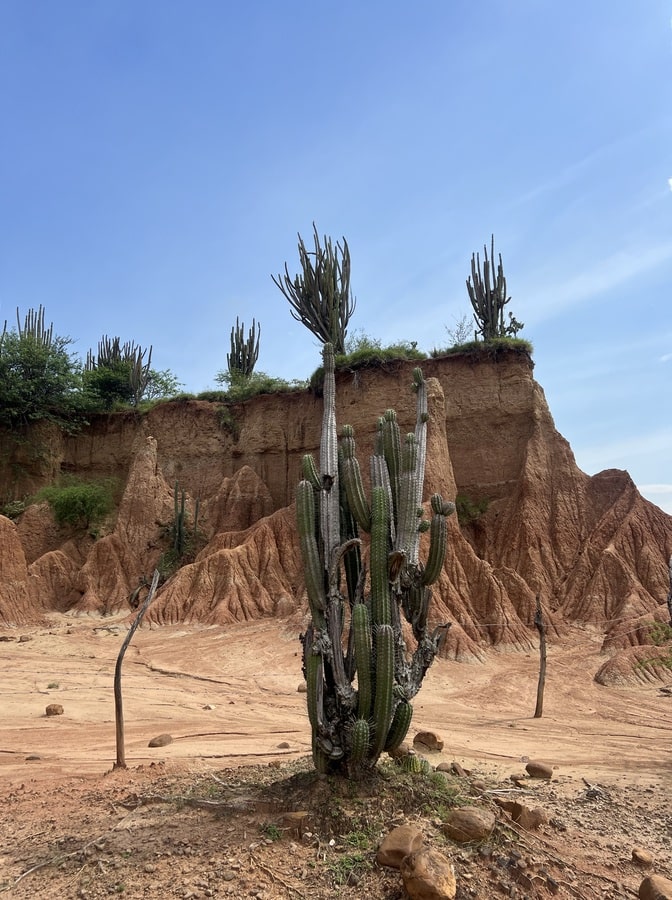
column 430, row 740
column 33, row 757
column 536, row 769
column 529, row 819
column 6, row 637
column 469, row 823
column 399, row 843
column 655, row 887
column 209, row 706
column 428, row 875
column 478, row 785
column 283, row 745
column 302, row 688
column 25, row 637
column 161, row 740
column 642, row 857
column 518, row 779
column 54, row 709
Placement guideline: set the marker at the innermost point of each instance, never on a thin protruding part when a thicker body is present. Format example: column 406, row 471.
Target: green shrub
column 490, row 349
column 469, row 511
column 212, row 396
column 80, row 504
column 366, row 352
column 243, row 387
column 13, row 508
column 39, row 381
column 661, row 634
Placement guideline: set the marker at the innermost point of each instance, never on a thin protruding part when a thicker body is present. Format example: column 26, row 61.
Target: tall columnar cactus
column 320, row 296
column 487, row 293
column 33, row 327
column 355, row 638
column 244, row 351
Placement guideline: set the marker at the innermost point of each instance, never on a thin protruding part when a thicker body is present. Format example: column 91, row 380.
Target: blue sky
column 159, row 158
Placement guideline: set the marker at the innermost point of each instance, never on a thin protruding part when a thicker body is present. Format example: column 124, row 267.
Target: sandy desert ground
column 229, row 698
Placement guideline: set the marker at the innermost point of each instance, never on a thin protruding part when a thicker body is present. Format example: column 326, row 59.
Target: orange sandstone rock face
column 592, row 548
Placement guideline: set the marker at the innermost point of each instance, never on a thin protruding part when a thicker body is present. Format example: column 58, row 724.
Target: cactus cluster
column 487, row 293
column 360, row 674
column 129, row 358
column 244, row 350
column 320, row 297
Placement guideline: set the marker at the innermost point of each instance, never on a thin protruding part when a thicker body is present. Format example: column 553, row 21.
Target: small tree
column 320, row 297
column 39, row 378
column 487, row 293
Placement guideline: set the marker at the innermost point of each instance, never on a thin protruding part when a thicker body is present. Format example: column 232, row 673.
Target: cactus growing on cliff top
column 357, row 637
column 488, row 297
column 244, row 351
column 320, row 297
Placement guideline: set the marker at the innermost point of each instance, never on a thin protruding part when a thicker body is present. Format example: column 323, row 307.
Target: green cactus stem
column 360, row 675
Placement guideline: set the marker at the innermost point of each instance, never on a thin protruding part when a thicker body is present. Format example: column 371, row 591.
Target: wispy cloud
column 628, row 450
column 669, row 183
column 604, row 275
column 666, row 358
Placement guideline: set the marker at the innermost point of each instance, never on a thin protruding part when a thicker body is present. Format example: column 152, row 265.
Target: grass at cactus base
column 207, row 815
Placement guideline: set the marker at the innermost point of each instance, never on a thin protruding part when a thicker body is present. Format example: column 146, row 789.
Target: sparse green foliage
column 184, row 537
column 493, row 349
column 660, row 634
column 244, row 351
column 461, row 333
column 470, row 511
column 119, row 373
column 161, row 384
column 80, row 504
column 352, row 727
column 320, row 298
column 240, row 388
column 13, row 508
column 487, row 292
column 270, row 831
column 39, row 378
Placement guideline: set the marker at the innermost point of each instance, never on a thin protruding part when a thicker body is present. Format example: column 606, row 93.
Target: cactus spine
column 360, row 675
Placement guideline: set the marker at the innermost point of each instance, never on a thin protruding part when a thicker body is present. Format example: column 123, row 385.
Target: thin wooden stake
column 541, row 628
column 669, row 594
column 118, row 705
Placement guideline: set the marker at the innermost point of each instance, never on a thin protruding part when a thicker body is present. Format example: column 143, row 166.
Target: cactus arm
column 329, row 459
column 422, row 417
column 392, row 451
column 362, row 636
column 438, row 535
column 407, row 506
column 360, row 739
column 380, row 585
column 312, row 565
column 382, row 703
column 380, row 477
column 309, row 471
column 401, row 722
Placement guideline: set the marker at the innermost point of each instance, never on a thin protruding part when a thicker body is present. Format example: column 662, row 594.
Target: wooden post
column 118, row 706
column 669, row 594
column 541, row 628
